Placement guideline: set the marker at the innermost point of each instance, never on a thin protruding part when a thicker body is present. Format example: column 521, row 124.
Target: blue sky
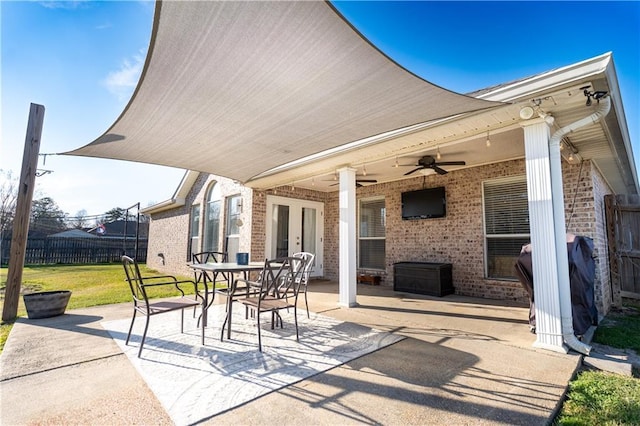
column 81, row 60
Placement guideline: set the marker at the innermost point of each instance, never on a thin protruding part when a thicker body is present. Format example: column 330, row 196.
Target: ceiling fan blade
column 358, row 182
column 439, row 170
column 414, row 170
column 451, row 163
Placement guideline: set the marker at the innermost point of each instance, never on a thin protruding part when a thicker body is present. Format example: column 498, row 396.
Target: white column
column 543, row 236
column 347, row 237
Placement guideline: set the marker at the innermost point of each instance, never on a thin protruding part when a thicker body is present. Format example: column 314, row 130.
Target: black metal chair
column 209, row 257
column 199, row 275
column 278, row 289
column 309, row 259
column 141, row 303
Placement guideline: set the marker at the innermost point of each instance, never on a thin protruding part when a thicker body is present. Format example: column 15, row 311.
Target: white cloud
column 64, row 4
column 123, row 81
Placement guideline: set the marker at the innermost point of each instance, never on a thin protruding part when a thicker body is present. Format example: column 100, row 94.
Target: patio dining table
column 230, row 269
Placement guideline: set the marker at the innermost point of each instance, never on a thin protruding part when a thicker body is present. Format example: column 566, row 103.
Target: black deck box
column 433, row 279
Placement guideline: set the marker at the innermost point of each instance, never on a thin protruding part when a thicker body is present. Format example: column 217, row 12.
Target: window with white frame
column 212, row 218
column 232, row 228
column 506, row 225
column 371, row 234
column 194, row 230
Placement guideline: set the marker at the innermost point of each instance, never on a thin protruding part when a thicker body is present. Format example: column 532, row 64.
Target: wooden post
column 23, row 208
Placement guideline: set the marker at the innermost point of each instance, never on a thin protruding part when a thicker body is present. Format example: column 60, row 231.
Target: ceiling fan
column 429, row 162
column 359, row 182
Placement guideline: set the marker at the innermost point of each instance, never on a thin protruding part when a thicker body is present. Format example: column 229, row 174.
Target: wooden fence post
column 23, row 209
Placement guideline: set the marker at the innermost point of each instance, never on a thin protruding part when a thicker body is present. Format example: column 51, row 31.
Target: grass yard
column 601, row 398
column 90, row 285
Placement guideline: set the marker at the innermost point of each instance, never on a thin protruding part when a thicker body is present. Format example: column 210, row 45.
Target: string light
column 571, row 156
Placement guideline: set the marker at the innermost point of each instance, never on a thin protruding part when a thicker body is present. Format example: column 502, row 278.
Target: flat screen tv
column 424, row 204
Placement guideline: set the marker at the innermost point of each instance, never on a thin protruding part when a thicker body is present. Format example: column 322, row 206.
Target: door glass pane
column 280, row 243
column 309, row 230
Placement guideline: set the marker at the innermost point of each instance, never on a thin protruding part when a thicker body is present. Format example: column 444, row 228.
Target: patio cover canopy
column 238, row 88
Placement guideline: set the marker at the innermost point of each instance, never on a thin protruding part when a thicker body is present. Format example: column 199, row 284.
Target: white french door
column 295, row 225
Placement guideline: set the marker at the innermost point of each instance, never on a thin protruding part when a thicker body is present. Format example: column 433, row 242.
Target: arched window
column 212, row 219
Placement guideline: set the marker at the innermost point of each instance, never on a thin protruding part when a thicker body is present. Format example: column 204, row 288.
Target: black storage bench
column 433, row 279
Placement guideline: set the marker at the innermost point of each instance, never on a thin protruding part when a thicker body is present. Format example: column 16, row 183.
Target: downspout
column 564, row 291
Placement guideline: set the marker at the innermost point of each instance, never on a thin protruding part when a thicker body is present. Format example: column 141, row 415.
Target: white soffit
column 238, row 88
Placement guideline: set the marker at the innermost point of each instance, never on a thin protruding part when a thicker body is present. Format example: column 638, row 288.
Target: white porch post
column 347, row 237
column 544, row 252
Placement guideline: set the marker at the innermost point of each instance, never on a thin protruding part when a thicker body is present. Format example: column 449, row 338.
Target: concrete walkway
column 464, row 361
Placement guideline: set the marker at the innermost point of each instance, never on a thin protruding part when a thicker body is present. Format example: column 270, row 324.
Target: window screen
column 372, row 226
column 506, row 218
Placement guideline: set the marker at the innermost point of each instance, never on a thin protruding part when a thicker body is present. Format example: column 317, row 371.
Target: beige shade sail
column 238, row 88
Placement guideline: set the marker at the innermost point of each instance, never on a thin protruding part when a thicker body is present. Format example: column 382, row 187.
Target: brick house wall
column 169, row 230
column 457, row 238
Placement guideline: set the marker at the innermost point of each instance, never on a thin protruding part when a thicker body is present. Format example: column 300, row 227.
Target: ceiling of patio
column 238, row 89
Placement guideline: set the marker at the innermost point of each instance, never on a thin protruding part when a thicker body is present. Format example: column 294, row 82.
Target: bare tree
column 8, row 198
column 80, row 220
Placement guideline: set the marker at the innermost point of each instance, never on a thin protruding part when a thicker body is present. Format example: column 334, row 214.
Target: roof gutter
column 564, row 290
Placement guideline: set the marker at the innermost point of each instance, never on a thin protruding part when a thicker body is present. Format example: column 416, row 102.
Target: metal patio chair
column 278, row 289
column 141, row 303
column 309, row 259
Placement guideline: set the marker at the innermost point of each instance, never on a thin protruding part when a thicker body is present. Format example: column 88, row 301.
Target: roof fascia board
column 614, row 91
column 550, row 80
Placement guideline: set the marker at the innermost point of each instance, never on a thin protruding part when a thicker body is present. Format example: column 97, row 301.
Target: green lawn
column 601, row 398
column 90, row 285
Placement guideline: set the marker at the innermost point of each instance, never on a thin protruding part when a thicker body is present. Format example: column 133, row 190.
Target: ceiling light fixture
column 313, row 182
column 438, row 156
column 488, row 140
column 364, row 170
column 396, row 165
column 526, row 112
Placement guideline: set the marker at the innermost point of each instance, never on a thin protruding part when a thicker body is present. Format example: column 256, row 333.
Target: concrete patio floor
column 464, row 361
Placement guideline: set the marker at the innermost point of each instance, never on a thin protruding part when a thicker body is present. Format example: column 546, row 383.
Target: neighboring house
column 121, row 229
column 73, row 233
column 487, row 202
